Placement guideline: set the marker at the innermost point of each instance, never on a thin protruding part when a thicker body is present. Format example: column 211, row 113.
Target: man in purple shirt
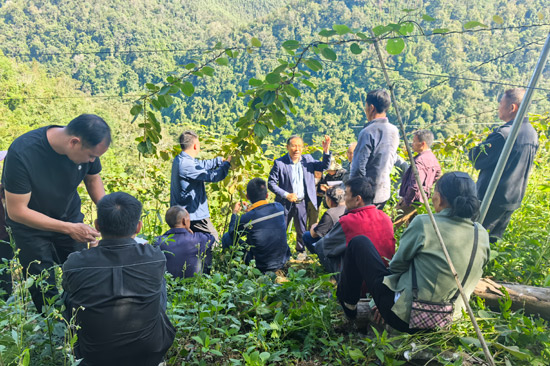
column 428, row 170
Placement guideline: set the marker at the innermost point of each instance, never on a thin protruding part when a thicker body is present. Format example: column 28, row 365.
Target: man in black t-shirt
column 42, row 171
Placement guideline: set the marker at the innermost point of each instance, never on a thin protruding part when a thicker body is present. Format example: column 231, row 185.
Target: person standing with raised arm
column 293, row 182
column 42, row 171
column 376, row 150
column 187, row 183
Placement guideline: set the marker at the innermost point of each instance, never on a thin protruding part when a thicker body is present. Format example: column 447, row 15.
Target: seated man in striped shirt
column 264, row 227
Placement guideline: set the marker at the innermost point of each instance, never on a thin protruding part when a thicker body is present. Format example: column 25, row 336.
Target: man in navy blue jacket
column 187, row 182
column 186, row 252
column 264, row 227
column 292, row 180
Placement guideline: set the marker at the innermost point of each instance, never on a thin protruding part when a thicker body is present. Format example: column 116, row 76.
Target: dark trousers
column 309, row 241
column 496, row 221
column 205, row 226
column 39, row 253
column 6, row 252
column 363, row 263
column 298, row 213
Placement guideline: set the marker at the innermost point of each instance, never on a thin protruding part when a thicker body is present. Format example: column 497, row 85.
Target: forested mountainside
column 114, row 49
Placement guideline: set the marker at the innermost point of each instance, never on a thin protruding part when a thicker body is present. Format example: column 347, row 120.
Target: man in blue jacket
column 187, row 182
column 292, row 180
column 264, row 227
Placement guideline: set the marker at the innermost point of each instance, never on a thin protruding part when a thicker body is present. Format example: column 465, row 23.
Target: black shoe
column 350, row 314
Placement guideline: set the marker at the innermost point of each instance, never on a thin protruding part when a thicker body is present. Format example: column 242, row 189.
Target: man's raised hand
column 326, row 144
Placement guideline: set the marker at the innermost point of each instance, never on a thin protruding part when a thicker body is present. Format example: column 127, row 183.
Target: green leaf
column 329, row 54
column 255, row 82
column 164, row 90
column 513, row 350
column 408, row 10
column 473, row 24
column 356, row 354
column 341, row 29
column 355, row 49
column 156, row 104
column 313, row 64
column 540, row 16
column 395, row 46
column 497, row 19
column 279, row 69
column 361, row 35
column 379, row 30
column 264, row 356
column 279, row 118
column 269, row 98
column 151, row 87
column 309, row 83
column 223, row 61
column 187, row 88
column 190, row 66
column 327, row 33
column 406, row 28
column 440, row 30
column 273, row 78
column 136, row 109
column 207, row 70
column 291, row 45
column 255, row 42
column 428, row 18
column 291, row 89
column 260, row 130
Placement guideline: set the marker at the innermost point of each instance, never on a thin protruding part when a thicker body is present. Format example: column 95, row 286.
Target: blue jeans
column 309, row 241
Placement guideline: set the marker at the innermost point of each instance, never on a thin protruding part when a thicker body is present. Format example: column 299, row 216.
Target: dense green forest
column 60, row 59
column 115, row 50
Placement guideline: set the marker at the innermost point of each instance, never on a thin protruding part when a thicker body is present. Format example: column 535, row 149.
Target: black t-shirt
column 32, row 165
column 328, row 220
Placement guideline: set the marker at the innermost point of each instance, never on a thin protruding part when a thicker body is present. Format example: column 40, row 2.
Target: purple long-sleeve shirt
column 428, row 170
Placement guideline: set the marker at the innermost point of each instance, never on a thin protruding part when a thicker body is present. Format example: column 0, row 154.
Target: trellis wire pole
column 486, row 351
column 507, row 149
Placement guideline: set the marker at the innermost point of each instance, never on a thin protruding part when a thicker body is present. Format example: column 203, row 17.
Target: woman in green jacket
column 457, row 206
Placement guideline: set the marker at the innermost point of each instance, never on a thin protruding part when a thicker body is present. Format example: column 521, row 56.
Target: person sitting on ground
column 186, row 252
column 334, row 200
column 456, row 204
column 362, row 218
column 428, row 170
column 117, row 291
column 263, row 225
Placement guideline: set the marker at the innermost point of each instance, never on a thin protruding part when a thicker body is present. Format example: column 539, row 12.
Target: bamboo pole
column 486, row 351
column 518, row 120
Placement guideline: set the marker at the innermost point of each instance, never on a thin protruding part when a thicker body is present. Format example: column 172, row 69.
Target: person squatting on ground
column 376, row 149
column 334, row 201
column 42, row 171
column 186, row 252
column 513, row 183
column 428, row 171
column 264, row 226
column 362, row 218
column 456, row 204
column 293, row 182
column 187, row 181
column 117, row 291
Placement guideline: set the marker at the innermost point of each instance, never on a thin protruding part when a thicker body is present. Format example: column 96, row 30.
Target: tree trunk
column 534, row 300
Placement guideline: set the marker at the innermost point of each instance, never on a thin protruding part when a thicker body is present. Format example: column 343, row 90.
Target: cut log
column 533, row 300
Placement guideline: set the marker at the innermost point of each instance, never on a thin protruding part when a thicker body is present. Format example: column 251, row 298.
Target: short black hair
column 459, row 190
column 425, row 136
column 187, row 139
column 364, row 187
column 174, row 215
column 91, row 129
column 380, row 99
column 256, row 190
column 292, row 138
column 118, row 215
column 336, row 194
